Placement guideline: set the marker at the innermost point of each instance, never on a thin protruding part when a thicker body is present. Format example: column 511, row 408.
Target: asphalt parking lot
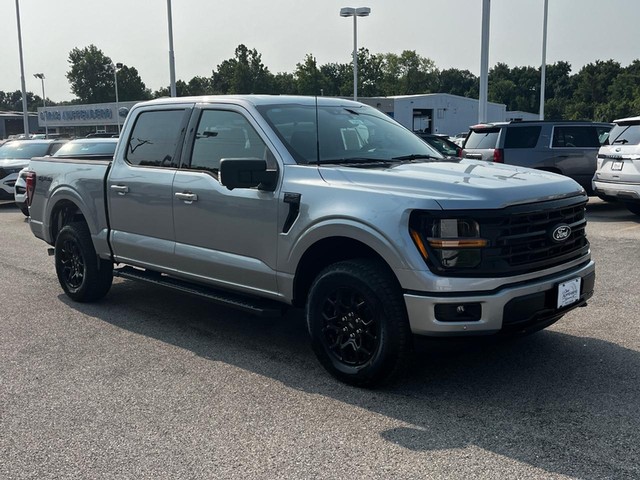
column 153, row 384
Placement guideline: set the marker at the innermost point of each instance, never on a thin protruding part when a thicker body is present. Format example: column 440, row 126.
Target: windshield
column 74, row 149
column 25, row 149
column 346, row 134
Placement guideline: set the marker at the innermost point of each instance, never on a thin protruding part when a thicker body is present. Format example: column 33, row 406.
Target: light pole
column 114, row 69
column 44, row 104
column 484, row 63
column 355, row 13
column 172, row 60
column 543, row 67
column 25, row 114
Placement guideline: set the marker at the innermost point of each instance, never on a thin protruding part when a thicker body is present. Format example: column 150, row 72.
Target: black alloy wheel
column 358, row 322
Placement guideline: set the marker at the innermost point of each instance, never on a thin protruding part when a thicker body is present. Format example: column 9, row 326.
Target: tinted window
column 73, row 149
column 154, row 138
column 482, row 138
column 24, row 149
column 623, row 134
column 522, row 137
column 575, row 136
column 224, row 134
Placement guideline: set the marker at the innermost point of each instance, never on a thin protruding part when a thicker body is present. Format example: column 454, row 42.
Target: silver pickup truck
column 264, row 202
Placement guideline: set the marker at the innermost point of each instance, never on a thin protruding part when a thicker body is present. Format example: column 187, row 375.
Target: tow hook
column 51, row 251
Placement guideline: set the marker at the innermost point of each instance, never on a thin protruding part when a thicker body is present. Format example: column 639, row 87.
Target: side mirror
column 247, row 173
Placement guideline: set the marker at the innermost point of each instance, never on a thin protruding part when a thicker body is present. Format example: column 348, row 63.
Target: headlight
column 447, row 243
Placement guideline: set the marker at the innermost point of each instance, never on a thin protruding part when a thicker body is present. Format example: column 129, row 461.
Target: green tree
column 245, row 73
column 408, row 73
column 90, row 76
column 458, row 82
column 309, row 78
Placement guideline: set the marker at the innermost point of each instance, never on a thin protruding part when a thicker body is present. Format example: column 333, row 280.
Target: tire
column 83, row 276
column 23, row 208
column 358, row 323
column 633, row 207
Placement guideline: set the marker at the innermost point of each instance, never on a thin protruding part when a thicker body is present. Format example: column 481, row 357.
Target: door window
column 575, row 136
column 226, row 134
column 522, row 137
column 155, row 137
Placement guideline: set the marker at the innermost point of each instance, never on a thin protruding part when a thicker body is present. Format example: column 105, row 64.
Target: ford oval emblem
column 561, row 233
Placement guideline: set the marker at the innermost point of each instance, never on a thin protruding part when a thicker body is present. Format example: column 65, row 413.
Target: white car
column 15, row 155
column 617, row 174
column 20, row 191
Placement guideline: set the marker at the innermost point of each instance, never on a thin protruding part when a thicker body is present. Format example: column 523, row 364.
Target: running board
column 257, row 306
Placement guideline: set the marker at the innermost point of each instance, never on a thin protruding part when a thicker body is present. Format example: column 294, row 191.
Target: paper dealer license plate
column 569, row 292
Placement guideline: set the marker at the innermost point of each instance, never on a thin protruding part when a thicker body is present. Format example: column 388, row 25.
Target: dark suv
column 568, row 147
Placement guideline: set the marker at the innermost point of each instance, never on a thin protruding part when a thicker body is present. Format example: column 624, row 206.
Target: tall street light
column 114, row 68
column 484, row 63
column 543, row 67
column 25, row 114
column 44, row 104
column 355, row 13
column 172, row 60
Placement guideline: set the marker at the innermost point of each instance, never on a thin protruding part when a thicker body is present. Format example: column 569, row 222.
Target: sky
column 206, row 32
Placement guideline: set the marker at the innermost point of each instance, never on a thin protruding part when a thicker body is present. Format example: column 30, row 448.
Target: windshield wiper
column 417, row 156
column 622, row 141
column 352, row 160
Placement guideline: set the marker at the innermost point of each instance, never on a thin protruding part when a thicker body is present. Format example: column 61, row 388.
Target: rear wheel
column 633, row 207
column 83, row 276
column 358, row 322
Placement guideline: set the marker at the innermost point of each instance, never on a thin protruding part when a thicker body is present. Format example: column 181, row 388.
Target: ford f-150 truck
column 264, row 202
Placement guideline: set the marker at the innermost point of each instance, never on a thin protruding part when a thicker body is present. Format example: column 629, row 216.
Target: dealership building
column 440, row 113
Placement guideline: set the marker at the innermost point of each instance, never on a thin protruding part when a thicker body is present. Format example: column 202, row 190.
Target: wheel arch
column 330, row 244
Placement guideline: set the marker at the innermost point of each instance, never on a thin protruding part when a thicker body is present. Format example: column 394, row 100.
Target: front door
column 227, row 238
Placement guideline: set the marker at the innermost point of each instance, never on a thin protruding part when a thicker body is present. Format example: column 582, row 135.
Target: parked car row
column 15, row 156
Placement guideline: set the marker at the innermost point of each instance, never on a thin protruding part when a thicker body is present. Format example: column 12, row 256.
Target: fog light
column 458, row 312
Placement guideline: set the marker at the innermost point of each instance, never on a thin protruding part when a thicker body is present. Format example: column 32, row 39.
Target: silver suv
column 618, row 168
column 568, row 148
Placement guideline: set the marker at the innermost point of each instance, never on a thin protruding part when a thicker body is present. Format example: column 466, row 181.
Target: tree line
column 601, row 91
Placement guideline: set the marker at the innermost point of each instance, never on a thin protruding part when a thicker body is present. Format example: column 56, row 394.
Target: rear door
column 224, row 237
column 574, row 149
column 139, row 188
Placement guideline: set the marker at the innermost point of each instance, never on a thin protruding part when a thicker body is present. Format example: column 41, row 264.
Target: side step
column 257, row 306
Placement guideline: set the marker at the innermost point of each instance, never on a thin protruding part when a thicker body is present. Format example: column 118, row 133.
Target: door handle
column 187, row 197
column 121, row 189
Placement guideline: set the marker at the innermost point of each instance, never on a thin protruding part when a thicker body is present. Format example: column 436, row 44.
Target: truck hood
column 465, row 184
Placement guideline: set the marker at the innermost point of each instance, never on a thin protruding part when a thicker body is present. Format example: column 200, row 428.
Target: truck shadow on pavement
column 562, row 403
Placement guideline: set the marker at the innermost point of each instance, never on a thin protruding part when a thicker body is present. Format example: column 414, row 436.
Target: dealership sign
column 82, row 115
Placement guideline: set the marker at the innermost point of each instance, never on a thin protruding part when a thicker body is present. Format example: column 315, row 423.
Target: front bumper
column 511, row 307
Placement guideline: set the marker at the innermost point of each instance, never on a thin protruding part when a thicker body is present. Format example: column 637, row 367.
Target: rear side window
column 485, row 138
column 575, row 136
column 624, row 134
column 522, row 137
column 154, row 139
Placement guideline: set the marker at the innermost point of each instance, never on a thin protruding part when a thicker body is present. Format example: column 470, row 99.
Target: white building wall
column 451, row 114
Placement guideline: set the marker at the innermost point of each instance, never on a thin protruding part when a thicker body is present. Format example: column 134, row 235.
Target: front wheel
column 83, row 276
column 358, row 322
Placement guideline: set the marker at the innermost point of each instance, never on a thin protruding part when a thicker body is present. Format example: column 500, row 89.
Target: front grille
column 519, row 238
column 522, row 240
